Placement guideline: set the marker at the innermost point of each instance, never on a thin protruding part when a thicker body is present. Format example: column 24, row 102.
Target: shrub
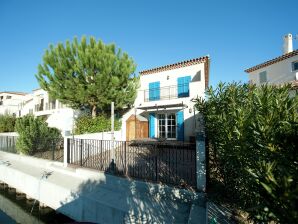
column 7, row 123
column 87, row 124
column 34, row 134
column 253, row 133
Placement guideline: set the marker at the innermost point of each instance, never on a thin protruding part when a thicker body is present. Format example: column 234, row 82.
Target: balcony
column 38, row 107
column 166, row 93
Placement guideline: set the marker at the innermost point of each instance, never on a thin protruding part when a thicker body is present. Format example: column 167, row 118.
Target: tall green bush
column 7, row 123
column 34, row 134
column 87, row 124
column 253, row 135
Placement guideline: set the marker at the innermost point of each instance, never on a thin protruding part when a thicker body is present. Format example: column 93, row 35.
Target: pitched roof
column 272, row 61
column 204, row 59
column 16, row 93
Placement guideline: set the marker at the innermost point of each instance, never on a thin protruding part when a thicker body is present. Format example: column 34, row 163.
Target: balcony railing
column 166, row 93
column 38, row 107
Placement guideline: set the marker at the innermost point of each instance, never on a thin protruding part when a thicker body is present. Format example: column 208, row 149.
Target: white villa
column 163, row 105
column 39, row 104
column 279, row 70
column 54, row 112
column 164, row 100
column 9, row 102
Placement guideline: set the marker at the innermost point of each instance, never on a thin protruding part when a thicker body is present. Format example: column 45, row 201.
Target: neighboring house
column 165, row 100
column 280, row 70
column 9, row 102
column 54, row 112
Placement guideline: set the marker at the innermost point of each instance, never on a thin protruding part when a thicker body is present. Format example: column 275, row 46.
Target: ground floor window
column 166, row 126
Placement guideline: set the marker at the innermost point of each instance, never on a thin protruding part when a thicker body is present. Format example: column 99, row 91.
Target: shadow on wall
column 110, row 199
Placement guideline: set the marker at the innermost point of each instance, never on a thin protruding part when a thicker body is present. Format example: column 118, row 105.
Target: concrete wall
column 93, row 196
column 280, row 72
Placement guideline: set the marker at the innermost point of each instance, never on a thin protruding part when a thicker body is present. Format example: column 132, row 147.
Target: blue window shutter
column 151, row 125
column 180, row 83
column 186, row 85
column 180, row 126
column 157, row 90
column 151, row 91
column 154, row 91
column 183, row 86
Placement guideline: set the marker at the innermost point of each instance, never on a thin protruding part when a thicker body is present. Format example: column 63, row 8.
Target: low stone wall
column 100, row 136
column 92, row 196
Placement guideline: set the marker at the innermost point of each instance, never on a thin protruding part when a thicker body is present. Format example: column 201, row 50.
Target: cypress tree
column 88, row 74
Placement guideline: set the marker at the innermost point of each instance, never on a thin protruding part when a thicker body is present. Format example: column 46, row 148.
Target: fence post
column 53, row 149
column 125, row 163
column 201, row 161
column 81, row 152
column 65, row 151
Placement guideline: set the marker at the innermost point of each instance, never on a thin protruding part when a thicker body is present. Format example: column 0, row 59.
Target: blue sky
column 236, row 34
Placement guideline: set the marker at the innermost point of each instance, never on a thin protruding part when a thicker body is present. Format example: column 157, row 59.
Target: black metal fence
column 169, row 163
column 51, row 149
column 8, row 144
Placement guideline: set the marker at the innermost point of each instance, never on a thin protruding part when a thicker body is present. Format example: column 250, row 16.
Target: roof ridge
column 175, row 65
column 272, row 61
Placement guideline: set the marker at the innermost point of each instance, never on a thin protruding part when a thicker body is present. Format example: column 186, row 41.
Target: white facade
column 164, row 109
column 280, row 70
column 9, row 102
column 277, row 73
column 56, row 114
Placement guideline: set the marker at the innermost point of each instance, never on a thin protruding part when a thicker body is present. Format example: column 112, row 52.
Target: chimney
column 288, row 44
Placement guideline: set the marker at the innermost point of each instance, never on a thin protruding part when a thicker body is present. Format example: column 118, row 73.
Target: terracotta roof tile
column 272, row 61
column 204, row 59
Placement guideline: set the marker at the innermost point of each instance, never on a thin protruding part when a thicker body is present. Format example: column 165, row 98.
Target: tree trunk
column 94, row 112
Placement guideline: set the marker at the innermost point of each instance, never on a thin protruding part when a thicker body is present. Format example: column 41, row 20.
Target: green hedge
column 7, row 123
column 87, row 124
column 34, row 135
column 253, row 133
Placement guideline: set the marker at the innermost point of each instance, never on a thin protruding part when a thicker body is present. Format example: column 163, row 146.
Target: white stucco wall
column 169, row 78
column 10, row 106
column 278, row 73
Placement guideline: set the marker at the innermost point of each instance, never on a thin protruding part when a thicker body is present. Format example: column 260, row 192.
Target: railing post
column 156, row 163
column 66, row 154
column 7, row 143
column 125, row 163
column 81, row 152
column 53, row 149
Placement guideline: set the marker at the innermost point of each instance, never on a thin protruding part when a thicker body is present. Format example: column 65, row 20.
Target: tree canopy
column 88, row 74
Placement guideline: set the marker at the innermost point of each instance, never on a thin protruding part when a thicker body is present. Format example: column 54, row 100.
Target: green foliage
column 7, row 123
column 253, row 134
column 88, row 74
column 87, row 124
column 34, row 134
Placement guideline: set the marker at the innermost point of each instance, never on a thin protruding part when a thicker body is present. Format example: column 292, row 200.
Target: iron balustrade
column 51, row 149
column 173, row 164
column 167, row 92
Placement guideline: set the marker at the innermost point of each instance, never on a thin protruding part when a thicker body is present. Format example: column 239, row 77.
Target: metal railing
column 166, row 92
column 51, row 149
column 8, row 144
column 173, row 164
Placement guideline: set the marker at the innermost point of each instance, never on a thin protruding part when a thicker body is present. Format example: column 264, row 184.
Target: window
column 167, row 126
column 263, row 77
column 295, row 66
column 154, row 91
column 8, row 97
column 183, row 86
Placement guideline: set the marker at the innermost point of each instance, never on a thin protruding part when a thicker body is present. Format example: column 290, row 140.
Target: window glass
column 263, row 77
column 295, row 66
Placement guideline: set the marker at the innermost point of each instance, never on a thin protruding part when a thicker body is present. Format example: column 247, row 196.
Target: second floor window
column 154, row 91
column 183, row 86
column 263, row 77
column 295, row 66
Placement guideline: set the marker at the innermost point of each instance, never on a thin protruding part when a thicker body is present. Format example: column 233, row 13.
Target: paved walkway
column 87, row 195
